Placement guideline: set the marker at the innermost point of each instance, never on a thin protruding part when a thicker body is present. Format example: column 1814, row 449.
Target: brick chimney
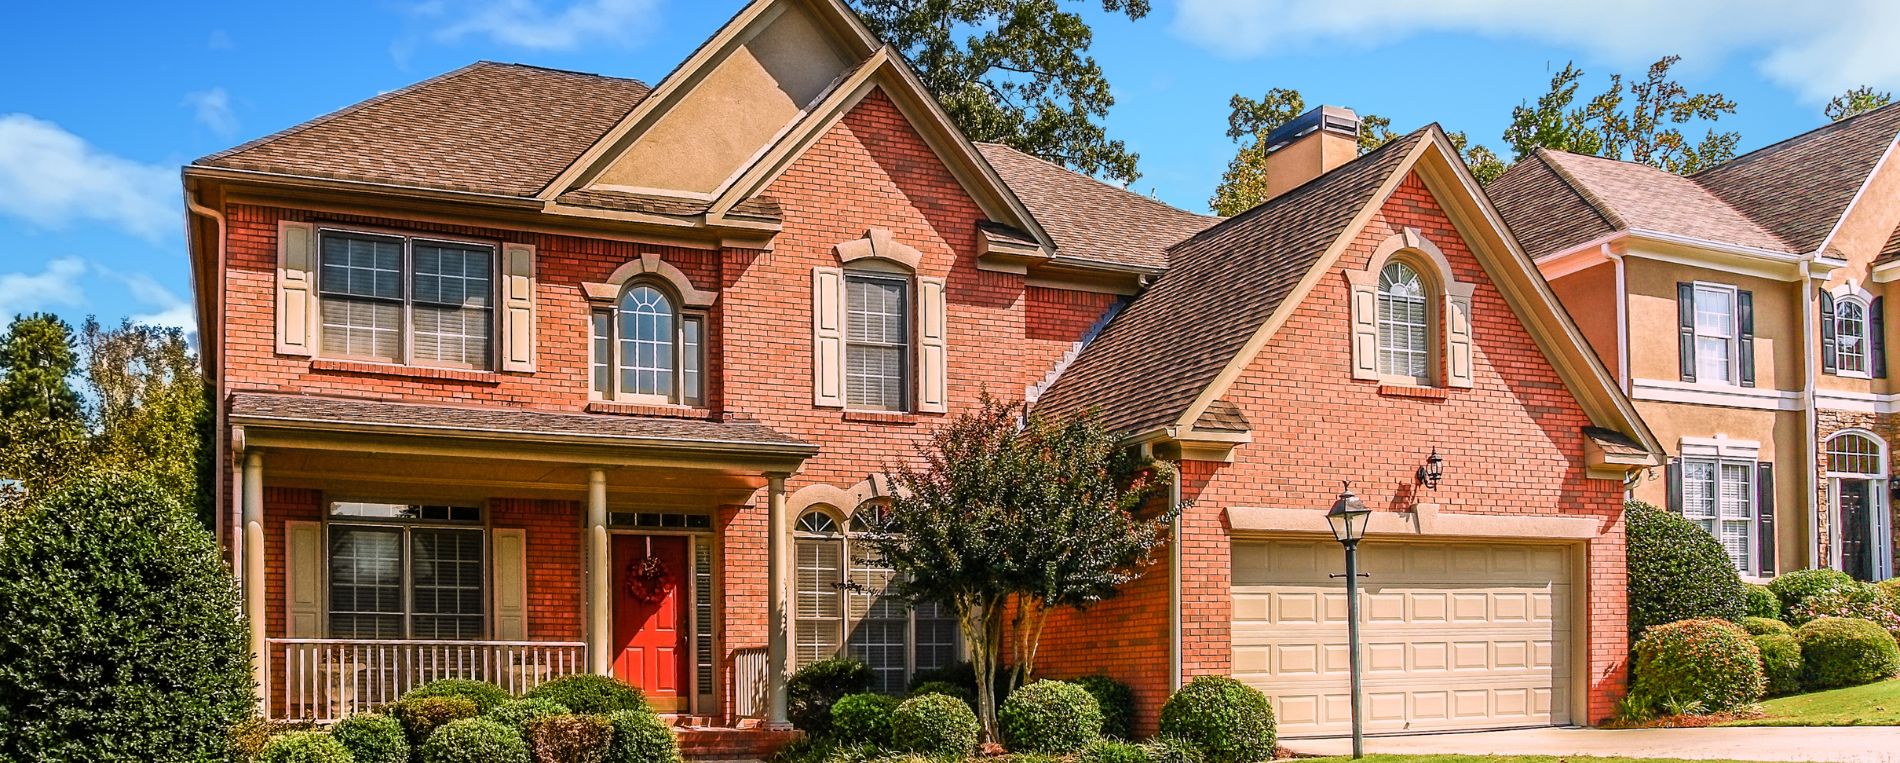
column 1311, row 145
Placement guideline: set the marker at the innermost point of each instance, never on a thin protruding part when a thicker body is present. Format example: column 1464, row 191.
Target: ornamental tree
column 1009, row 516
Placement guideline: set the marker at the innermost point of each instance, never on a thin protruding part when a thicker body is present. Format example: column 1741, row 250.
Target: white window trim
column 874, row 270
column 1733, row 379
column 682, row 313
column 1879, row 532
column 406, row 275
column 1752, row 483
column 1862, row 346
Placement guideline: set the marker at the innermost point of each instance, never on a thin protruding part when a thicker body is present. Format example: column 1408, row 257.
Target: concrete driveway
column 1867, row 744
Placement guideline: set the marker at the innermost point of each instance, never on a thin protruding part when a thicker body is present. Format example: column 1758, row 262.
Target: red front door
column 650, row 617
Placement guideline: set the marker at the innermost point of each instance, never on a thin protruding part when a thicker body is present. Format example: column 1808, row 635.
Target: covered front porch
column 385, row 545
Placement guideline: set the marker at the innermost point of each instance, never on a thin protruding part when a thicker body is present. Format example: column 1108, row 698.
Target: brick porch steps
column 707, row 744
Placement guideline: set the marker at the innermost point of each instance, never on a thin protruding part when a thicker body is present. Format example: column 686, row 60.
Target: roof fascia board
column 221, row 174
column 1678, row 252
column 1578, row 258
column 1828, row 240
column 289, row 429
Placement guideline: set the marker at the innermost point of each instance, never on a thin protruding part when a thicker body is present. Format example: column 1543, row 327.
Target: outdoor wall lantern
column 1349, row 517
column 1432, row 471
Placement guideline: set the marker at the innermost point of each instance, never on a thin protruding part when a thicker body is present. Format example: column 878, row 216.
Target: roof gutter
column 333, row 184
column 752, row 447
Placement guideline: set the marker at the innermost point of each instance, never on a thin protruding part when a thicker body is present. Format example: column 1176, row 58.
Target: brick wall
column 281, row 505
column 557, row 556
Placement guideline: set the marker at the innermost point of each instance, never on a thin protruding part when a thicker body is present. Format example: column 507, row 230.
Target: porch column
column 779, row 626
column 253, row 479
column 599, row 577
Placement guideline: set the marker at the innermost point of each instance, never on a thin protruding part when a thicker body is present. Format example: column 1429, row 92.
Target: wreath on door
column 649, row 580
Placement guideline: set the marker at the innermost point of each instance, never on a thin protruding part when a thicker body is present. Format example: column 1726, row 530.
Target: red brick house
column 526, row 372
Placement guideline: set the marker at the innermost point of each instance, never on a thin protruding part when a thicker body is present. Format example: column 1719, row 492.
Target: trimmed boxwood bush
column 570, row 738
column 1112, row 751
column 1116, row 700
column 1759, row 601
column 120, row 637
column 1798, row 586
column 863, row 718
column 1698, row 666
column 485, row 695
column 1228, row 721
column 1055, row 717
column 812, row 690
column 589, row 694
column 1758, row 626
column 421, row 716
column 945, row 688
column 372, row 738
column 475, row 740
column 1780, row 662
column 641, row 737
column 520, row 712
column 1844, row 651
column 304, row 747
column 1677, row 571
column 248, row 738
column 935, row 725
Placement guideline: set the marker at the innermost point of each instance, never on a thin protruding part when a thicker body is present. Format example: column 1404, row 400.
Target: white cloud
column 534, row 24
column 1816, row 49
column 55, row 285
column 167, row 308
column 53, row 178
column 213, row 110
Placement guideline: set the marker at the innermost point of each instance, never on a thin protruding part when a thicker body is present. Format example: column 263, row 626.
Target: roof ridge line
column 1597, row 204
column 324, row 119
column 1765, row 150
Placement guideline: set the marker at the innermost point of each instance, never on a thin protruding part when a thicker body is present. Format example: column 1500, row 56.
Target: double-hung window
column 405, row 571
column 648, row 350
column 398, row 299
column 1850, row 336
column 1719, row 495
column 1715, row 333
column 1404, row 324
column 844, row 606
column 877, row 341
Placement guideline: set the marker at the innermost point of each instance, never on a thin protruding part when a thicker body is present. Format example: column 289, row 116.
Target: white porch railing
column 749, row 684
column 327, row 679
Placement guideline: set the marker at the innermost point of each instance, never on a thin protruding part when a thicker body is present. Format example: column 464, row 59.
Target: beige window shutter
column 510, row 563
column 1365, row 330
column 296, row 288
column 303, row 579
column 1458, row 340
column 827, row 329
column 932, row 347
column 517, row 315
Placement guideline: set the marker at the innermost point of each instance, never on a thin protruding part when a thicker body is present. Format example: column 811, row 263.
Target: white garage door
column 1456, row 635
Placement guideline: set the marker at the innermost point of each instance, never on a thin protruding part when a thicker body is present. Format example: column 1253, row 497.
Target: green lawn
column 1499, row 759
column 1875, row 704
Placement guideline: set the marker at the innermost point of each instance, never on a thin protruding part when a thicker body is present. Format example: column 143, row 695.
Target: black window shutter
column 1673, row 475
column 1877, row 337
column 1765, row 518
column 1745, row 318
column 1685, row 320
column 1830, row 362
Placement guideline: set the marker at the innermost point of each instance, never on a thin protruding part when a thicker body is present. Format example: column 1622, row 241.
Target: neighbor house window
column 1714, row 333
column 877, row 341
column 406, row 571
column 1404, row 324
column 399, row 299
column 1850, row 336
column 844, row 607
column 647, row 350
column 1719, row 495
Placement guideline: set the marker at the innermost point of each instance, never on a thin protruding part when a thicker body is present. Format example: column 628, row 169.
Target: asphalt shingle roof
column 1090, row 219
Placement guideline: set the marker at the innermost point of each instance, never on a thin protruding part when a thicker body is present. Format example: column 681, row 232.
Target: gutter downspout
column 222, row 517
column 1174, row 585
column 1810, row 419
column 1622, row 320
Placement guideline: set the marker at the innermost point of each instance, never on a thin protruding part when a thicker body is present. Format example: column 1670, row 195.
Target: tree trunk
column 982, row 622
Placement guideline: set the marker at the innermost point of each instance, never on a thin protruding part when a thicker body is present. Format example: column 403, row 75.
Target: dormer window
column 647, row 350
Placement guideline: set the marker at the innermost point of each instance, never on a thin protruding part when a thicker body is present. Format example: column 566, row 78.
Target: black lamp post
column 1348, row 518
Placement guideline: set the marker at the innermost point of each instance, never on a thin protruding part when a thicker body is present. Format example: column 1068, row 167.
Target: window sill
column 1421, row 393
column 361, row 368
column 648, row 409
column 881, row 417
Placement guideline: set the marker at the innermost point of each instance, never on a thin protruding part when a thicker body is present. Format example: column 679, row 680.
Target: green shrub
column 421, row 716
column 1780, row 662
column 945, row 688
column 1708, row 664
column 304, row 747
column 485, row 695
column 589, row 694
column 825, row 750
column 1116, row 700
column 814, row 687
column 120, row 637
column 1798, row 586
column 1759, row 601
column 474, row 740
column 1113, row 751
column 248, row 737
column 1890, row 588
column 570, row 738
column 372, row 738
column 962, row 675
column 1844, row 651
column 1861, row 600
column 863, row 718
column 1168, row 748
column 1758, row 626
column 1226, row 720
column 1049, row 716
column 935, row 725
column 520, row 712
column 1677, row 571
column 641, row 737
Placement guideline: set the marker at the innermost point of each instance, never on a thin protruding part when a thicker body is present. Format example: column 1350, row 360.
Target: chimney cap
column 1336, row 119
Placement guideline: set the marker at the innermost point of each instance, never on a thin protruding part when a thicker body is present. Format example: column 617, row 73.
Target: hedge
column 1845, row 651
column 1699, row 666
column 589, row 694
column 485, row 695
column 1677, row 571
column 935, row 725
column 863, row 718
column 304, row 747
column 1760, row 601
column 641, row 737
column 1116, row 700
column 372, row 738
column 570, row 738
column 518, row 713
column 1798, row 586
column 474, row 740
column 1780, row 662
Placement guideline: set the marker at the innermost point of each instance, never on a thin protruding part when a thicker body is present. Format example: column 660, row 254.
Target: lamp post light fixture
column 1349, row 517
column 1432, row 471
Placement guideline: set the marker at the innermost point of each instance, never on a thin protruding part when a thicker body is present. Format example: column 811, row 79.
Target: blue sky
column 97, row 117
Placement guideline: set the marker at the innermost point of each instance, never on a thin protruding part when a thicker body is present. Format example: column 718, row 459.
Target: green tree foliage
column 1856, row 102
column 42, row 419
column 149, row 405
column 1639, row 122
column 1011, row 516
column 1016, row 72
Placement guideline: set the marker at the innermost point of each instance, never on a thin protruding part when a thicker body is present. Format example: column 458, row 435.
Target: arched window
column 1404, row 323
column 646, row 349
column 844, row 605
column 1862, row 537
column 1852, row 454
column 1850, row 332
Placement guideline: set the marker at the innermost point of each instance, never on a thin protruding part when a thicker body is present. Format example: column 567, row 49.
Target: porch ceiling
column 404, row 477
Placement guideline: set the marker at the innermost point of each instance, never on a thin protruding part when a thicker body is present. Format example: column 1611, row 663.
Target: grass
column 1875, row 704
column 1498, row 759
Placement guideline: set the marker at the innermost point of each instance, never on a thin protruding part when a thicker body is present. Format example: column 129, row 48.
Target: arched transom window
column 844, row 607
column 647, row 350
column 1404, row 323
column 1854, row 454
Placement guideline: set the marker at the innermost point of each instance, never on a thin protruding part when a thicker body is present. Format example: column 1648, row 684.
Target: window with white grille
column 1715, row 333
column 1719, row 495
column 406, row 571
column 647, row 349
column 397, row 299
column 1850, row 336
column 844, row 606
column 877, row 342
column 1404, row 324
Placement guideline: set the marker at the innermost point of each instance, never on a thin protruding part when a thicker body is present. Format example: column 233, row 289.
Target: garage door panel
column 1455, row 635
